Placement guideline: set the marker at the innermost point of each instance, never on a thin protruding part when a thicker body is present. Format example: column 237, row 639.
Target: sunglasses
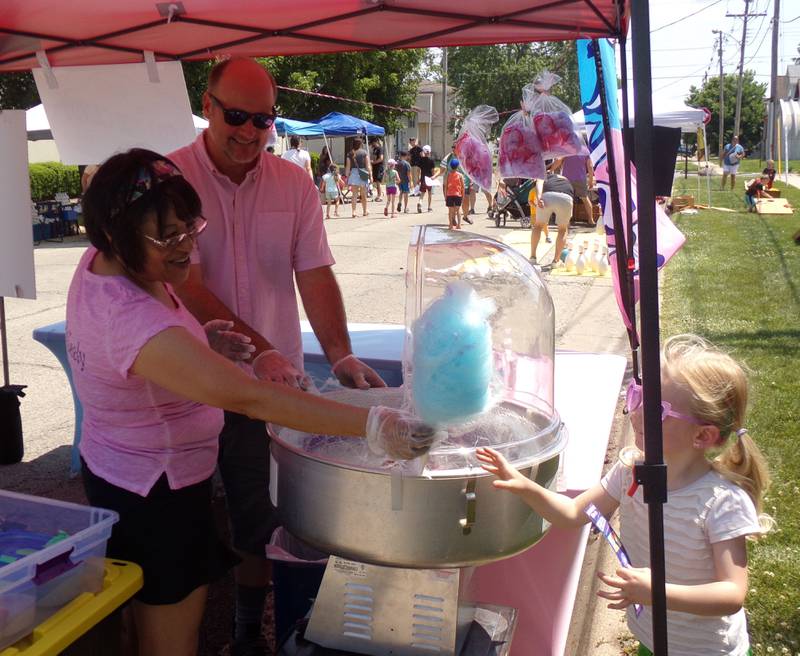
column 633, row 401
column 237, row 117
column 171, row 243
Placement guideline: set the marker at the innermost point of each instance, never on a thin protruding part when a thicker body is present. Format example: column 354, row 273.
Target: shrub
column 49, row 178
column 314, row 162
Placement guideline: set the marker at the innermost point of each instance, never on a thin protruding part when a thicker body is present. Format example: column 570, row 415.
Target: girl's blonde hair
column 718, row 385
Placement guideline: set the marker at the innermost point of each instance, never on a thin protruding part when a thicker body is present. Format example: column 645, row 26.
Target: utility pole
column 721, row 97
column 745, row 15
column 445, row 150
column 769, row 151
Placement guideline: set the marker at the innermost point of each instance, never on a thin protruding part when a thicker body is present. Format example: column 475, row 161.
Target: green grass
column 754, row 165
column 737, row 282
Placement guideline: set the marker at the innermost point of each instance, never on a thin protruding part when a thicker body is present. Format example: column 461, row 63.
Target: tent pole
column 708, row 173
column 4, row 342
column 653, row 473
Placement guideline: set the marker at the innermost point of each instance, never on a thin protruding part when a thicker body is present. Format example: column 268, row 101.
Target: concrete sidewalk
column 371, row 259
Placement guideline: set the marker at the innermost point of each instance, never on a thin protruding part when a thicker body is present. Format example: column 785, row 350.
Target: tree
column 495, row 75
column 753, row 108
column 18, row 91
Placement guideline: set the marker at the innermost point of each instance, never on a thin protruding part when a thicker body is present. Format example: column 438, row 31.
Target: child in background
column 770, row 172
column 390, row 179
column 330, row 187
column 454, row 194
column 756, row 190
column 716, row 477
column 404, row 174
column 532, row 198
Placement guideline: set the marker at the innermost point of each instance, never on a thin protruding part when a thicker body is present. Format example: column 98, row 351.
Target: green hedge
column 314, row 162
column 49, row 178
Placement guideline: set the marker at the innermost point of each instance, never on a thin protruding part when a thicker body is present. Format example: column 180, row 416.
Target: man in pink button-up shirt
column 265, row 233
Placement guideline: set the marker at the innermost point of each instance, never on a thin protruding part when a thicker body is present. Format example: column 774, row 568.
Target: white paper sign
column 96, row 111
column 17, row 278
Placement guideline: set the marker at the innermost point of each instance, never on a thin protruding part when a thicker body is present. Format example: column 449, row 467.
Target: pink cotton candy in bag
column 520, row 151
column 472, row 146
column 552, row 119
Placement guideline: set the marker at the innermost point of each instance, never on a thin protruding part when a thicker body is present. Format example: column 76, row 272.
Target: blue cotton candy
column 452, row 356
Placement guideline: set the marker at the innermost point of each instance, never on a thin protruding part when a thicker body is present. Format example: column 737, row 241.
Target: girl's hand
column 632, row 585
column 508, row 477
column 234, row 346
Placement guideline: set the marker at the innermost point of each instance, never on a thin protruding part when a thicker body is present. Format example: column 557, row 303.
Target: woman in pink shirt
column 151, row 390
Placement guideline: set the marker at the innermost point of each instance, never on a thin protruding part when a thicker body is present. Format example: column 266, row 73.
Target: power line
column 716, row 2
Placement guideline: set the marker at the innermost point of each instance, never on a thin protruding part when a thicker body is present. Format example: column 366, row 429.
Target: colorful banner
column 669, row 238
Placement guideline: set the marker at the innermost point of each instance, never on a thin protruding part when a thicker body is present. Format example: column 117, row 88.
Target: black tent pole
column 653, row 473
column 629, row 211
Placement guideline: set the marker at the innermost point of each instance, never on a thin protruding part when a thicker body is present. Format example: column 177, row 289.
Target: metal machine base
column 374, row 610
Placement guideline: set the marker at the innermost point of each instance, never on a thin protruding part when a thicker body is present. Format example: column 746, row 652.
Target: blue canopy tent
column 337, row 124
column 288, row 126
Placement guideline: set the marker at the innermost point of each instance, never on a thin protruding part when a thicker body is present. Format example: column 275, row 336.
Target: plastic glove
column 271, row 365
column 397, row 433
column 351, row 372
column 234, row 346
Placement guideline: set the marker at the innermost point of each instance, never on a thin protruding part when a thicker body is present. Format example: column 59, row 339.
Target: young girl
column 715, row 479
column 755, row 190
column 330, row 187
column 390, row 179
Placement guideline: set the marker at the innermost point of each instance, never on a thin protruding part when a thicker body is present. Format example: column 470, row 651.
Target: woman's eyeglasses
column 633, row 401
column 171, row 243
column 237, row 117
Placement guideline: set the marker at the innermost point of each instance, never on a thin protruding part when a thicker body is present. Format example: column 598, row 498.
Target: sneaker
column 467, row 219
column 399, row 206
column 419, row 208
column 386, row 211
column 472, row 211
column 405, row 211
column 430, row 209
column 532, row 259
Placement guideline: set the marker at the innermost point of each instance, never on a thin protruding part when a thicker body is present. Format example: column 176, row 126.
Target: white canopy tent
column 788, row 131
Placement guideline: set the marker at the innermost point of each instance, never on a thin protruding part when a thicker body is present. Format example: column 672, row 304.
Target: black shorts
column 377, row 172
column 453, row 201
column 244, row 467
column 170, row 534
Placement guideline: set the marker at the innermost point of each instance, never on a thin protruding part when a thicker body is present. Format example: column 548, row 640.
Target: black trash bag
column 11, row 449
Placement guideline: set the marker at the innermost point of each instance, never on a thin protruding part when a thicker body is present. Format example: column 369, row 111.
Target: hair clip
column 741, row 432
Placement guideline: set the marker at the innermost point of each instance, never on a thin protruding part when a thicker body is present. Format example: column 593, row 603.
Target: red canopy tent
column 36, row 33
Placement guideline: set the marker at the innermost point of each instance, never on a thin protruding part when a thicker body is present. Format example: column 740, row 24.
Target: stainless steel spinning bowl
column 416, row 522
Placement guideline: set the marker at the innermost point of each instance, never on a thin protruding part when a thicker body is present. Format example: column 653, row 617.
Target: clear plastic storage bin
column 50, row 552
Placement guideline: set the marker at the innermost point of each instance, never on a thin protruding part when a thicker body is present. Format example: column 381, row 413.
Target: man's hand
column 271, row 365
column 632, row 585
column 351, row 372
column 234, row 346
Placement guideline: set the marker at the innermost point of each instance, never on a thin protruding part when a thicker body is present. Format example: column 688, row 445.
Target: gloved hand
column 234, row 346
column 271, row 365
column 397, row 433
column 351, row 372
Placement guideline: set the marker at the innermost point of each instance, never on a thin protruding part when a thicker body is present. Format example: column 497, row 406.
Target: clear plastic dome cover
column 482, row 322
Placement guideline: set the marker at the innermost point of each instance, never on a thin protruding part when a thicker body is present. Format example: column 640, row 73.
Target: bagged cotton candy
column 552, row 119
column 452, row 356
column 472, row 146
column 520, row 153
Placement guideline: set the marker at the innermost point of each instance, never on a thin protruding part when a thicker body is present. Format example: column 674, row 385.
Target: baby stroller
column 512, row 202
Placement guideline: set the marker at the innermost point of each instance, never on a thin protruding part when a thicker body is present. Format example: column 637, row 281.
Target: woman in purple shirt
column 151, row 390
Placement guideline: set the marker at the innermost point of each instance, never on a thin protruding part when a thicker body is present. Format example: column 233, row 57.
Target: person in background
column 153, row 393
column 769, row 171
column 732, row 154
column 265, row 242
column 426, row 174
column 404, row 184
column 358, row 175
column 454, row 194
column 329, row 186
column 299, row 156
column 377, row 164
column 580, row 173
column 554, row 200
column 414, row 156
column 755, row 190
column 444, row 169
column 323, row 164
column 716, row 479
column 391, row 179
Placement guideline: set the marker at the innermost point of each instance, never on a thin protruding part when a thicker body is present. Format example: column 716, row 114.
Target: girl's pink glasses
column 633, row 401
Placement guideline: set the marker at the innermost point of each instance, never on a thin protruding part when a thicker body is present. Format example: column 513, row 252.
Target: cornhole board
column 773, row 206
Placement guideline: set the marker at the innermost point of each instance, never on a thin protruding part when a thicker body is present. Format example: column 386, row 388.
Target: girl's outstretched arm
column 558, row 509
column 724, row 596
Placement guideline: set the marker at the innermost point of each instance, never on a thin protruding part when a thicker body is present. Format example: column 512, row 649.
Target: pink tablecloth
column 542, row 582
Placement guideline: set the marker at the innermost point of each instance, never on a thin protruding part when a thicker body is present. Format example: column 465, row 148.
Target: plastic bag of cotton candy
column 520, row 153
column 472, row 145
column 552, row 119
column 452, row 357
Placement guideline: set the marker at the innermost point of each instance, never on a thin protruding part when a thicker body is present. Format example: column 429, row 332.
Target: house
column 427, row 124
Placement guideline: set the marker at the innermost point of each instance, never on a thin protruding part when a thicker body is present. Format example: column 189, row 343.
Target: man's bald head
column 242, row 68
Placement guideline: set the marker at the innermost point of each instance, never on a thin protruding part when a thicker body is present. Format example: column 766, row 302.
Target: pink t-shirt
column 133, row 431
column 259, row 233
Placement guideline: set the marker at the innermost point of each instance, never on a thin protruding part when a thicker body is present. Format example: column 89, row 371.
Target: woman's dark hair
column 124, row 192
column 357, row 143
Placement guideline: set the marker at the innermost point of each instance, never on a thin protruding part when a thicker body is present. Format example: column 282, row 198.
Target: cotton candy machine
column 404, row 526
